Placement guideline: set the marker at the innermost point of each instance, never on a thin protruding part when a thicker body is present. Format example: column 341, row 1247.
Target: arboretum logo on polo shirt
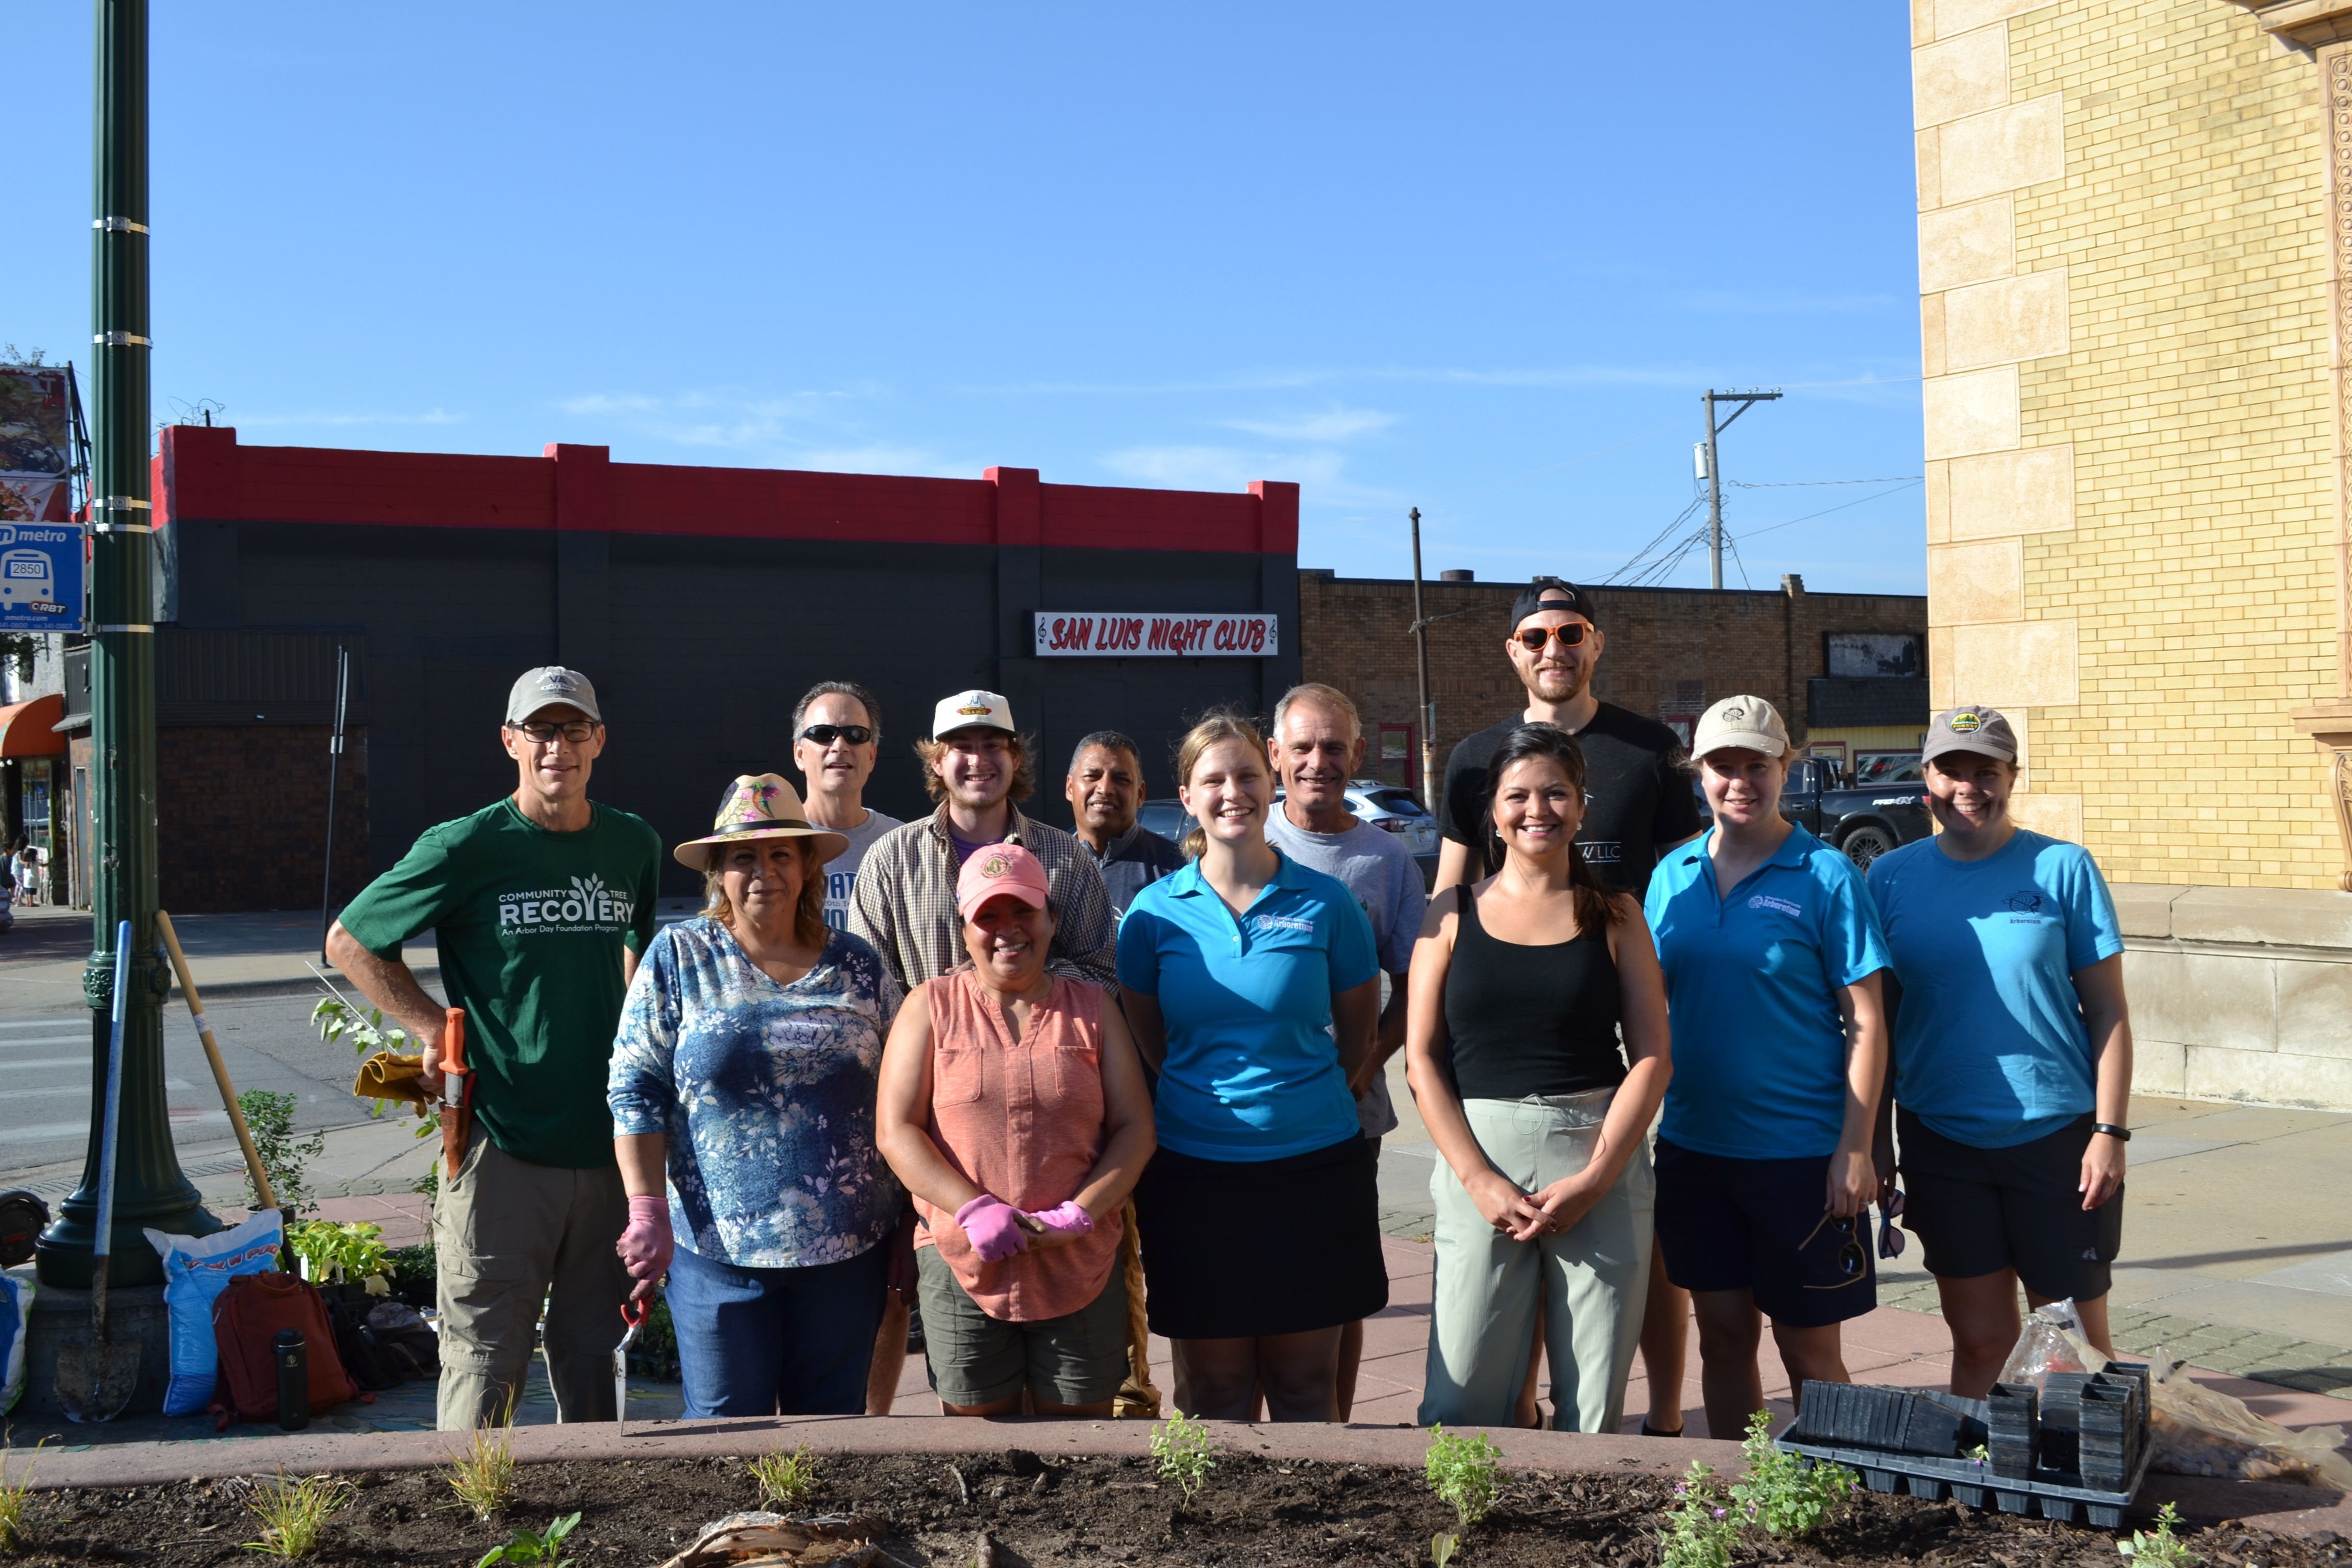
column 585, row 906
column 1767, row 902
column 1269, row 924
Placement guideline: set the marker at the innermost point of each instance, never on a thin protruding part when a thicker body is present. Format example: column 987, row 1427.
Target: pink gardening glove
column 1070, row 1218
column 994, row 1227
column 646, row 1247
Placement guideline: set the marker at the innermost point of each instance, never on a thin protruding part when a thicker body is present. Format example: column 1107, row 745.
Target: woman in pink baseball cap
column 1014, row 1108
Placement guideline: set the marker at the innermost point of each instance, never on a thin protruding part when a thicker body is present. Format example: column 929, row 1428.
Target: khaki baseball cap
column 1975, row 728
column 550, row 686
column 1750, row 724
column 971, row 710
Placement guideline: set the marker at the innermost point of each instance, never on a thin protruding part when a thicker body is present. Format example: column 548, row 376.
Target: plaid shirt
column 904, row 903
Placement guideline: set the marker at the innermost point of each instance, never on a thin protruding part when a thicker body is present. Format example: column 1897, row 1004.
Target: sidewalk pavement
column 232, row 955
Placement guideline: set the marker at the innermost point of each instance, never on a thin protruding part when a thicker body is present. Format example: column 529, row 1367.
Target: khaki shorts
column 1077, row 1359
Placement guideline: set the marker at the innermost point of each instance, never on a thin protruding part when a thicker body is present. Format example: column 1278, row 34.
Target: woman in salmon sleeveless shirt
column 1014, row 1108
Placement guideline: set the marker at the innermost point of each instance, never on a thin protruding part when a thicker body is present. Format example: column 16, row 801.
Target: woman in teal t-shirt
column 1253, row 987
column 2012, row 1052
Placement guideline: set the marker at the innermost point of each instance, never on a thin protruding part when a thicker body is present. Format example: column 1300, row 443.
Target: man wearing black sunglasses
column 837, row 735
column 1637, row 805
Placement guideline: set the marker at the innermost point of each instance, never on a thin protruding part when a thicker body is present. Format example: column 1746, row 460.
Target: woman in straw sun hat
column 742, row 1090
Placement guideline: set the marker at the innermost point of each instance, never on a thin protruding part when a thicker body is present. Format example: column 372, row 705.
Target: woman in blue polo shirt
column 1773, row 957
column 2012, row 1052
column 1252, row 985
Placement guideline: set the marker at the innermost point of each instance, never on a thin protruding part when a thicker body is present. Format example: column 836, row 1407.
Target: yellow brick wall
column 2201, row 573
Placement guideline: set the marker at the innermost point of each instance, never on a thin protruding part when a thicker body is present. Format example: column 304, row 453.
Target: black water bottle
column 292, row 1353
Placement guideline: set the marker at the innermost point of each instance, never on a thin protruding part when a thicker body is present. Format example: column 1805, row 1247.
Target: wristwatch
column 2120, row 1135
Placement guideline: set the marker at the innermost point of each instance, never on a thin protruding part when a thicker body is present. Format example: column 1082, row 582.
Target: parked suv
column 1865, row 822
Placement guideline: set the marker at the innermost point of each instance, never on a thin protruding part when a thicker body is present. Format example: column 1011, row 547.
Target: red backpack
column 246, row 1318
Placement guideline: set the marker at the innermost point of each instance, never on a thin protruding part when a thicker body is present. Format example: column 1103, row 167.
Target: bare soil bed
column 1082, row 1510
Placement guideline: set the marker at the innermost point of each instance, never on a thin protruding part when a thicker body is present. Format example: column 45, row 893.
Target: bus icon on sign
column 28, row 581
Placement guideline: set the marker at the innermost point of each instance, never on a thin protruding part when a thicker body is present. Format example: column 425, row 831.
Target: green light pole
column 150, row 1190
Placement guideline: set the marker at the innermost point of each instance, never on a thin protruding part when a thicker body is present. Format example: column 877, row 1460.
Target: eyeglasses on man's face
column 826, row 734
column 578, row 732
column 1533, row 638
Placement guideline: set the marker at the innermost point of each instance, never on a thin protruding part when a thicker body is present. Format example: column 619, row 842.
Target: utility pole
column 150, row 1189
column 1428, row 709
column 1714, row 473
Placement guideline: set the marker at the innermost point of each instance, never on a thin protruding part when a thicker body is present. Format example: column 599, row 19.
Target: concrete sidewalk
column 231, row 955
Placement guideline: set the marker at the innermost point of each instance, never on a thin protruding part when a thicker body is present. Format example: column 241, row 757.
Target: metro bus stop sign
column 41, row 576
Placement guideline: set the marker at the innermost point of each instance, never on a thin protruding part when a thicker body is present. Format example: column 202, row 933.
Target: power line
column 1827, row 510
column 1799, row 484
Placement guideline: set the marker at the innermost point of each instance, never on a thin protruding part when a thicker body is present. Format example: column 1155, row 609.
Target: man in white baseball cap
column 975, row 764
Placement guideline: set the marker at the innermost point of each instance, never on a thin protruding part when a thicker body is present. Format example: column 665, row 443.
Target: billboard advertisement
column 36, row 443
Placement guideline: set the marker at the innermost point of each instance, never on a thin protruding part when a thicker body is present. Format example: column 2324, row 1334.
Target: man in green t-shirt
column 540, row 906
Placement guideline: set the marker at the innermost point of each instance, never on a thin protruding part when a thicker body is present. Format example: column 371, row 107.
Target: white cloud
column 1334, row 424
column 1221, row 467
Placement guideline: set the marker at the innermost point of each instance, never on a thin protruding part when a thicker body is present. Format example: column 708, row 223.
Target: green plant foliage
column 414, row 1268
column 294, row 1513
column 284, row 1157
column 483, row 1475
column 352, row 1253
column 2160, row 1548
column 1465, row 1471
column 786, row 1478
column 336, row 1019
column 1700, row 1529
column 1185, row 1452
column 1442, row 1548
column 529, row 1546
column 1781, row 1491
column 13, row 1496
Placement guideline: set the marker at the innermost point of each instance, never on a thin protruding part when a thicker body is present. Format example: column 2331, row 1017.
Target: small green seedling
column 786, row 1478
column 1781, row 1491
column 1185, row 1452
column 294, row 1513
column 2160, row 1548
column 530, row 1546
column 14, row 1495
column 348, row 1253
column 1465, row 1471
column 1442, row 1548
column 1700, row 1529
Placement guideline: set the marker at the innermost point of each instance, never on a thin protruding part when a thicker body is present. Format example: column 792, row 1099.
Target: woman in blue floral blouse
column 744, row 1073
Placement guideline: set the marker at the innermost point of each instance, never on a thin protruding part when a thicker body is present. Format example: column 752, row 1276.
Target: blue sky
column 1479, row 260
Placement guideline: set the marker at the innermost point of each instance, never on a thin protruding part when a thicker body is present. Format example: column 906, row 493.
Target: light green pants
column 1591, row 1281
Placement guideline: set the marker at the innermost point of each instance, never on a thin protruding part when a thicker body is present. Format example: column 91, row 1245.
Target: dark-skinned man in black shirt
column 1638, row 805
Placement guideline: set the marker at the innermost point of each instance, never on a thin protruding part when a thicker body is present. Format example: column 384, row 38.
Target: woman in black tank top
column 1521, row 985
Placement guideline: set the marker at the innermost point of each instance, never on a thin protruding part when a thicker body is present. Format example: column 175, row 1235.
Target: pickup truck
column 1866, row 823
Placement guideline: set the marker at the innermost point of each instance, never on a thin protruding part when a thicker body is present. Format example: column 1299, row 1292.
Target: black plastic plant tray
column 2058, row 1495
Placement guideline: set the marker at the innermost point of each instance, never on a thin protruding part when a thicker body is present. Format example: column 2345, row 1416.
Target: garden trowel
column 634, row 1313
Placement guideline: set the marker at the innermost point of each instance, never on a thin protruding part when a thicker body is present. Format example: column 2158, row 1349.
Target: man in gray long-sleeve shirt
column 1104, row 788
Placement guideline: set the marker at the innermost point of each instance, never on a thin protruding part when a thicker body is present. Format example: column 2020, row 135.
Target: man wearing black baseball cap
column 1638, row 805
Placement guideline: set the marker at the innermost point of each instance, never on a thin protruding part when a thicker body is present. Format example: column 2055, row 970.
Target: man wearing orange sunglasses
column 1638, row 805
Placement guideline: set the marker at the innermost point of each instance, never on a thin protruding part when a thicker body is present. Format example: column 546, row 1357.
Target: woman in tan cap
column 742, row 1090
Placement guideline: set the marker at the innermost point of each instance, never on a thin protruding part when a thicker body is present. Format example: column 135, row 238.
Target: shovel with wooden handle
column 220, row 1068
column 96, row 1380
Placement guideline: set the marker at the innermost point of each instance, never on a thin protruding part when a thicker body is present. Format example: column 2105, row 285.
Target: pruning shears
column 632, row 1313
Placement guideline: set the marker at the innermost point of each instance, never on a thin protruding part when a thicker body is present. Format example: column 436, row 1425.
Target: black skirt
column 1240, row 1249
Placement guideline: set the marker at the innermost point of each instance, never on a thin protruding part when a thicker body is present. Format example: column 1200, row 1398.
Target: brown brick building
column 1671, row 651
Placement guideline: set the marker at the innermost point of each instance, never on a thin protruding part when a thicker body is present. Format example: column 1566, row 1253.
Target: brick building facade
column 1670, row 653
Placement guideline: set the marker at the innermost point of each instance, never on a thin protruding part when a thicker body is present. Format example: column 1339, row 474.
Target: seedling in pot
column 1465, row 1471
column 785, row 1478
column 1185, row 1452
column 1779, row 1491
column 294, row 1513
column 534, row 1546
column 2160, row 1548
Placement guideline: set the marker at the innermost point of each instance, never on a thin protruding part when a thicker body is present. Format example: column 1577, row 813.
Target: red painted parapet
column 204, row 472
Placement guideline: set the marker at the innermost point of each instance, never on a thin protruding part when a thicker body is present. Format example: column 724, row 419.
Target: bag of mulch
column 14, row 1295
column 196, row 1268
column 2198, row 1431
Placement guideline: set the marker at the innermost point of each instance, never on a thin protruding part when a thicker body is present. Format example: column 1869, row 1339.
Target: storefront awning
column 29, row 729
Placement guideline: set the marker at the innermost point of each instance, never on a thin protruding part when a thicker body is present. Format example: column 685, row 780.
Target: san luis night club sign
column 1156, row 633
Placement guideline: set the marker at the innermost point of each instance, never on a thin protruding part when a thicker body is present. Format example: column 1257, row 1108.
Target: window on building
column 1398, row 761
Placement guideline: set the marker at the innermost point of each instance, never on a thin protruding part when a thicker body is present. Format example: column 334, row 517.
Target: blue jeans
column 767, row 1342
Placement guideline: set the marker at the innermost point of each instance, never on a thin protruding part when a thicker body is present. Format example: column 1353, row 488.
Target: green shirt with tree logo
column 530, row 924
